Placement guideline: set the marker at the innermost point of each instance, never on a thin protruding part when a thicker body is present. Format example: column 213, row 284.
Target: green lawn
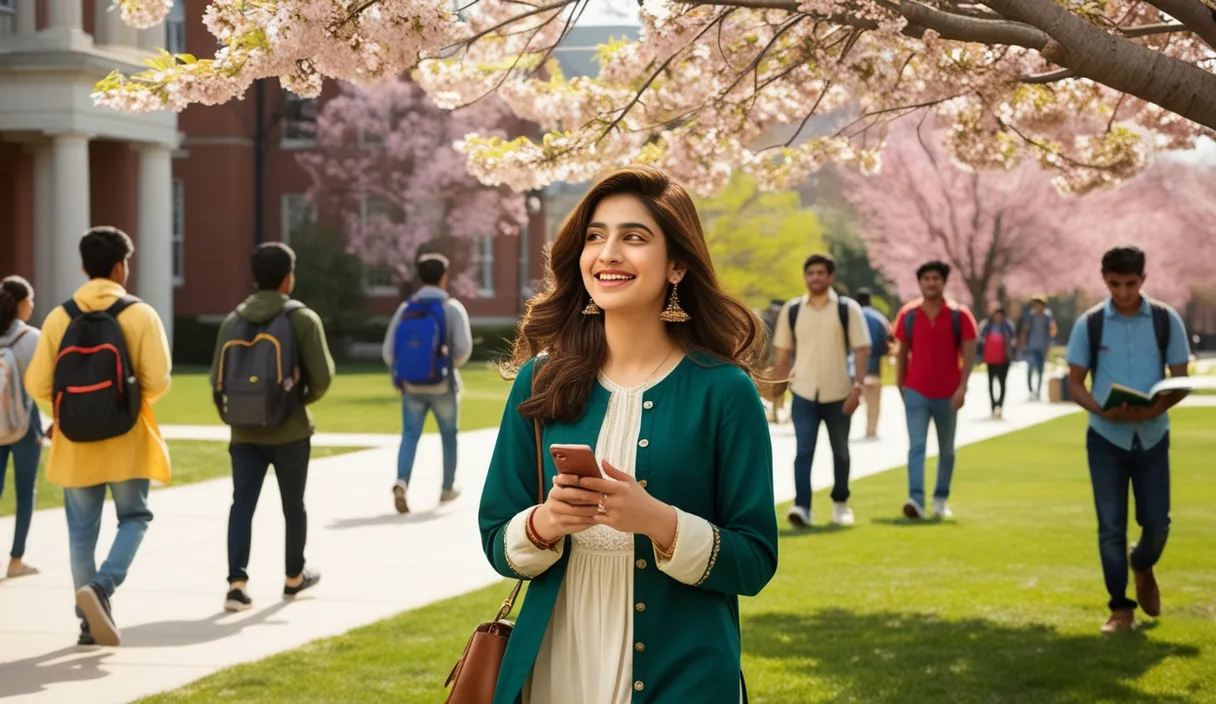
column 361, row 400
column 193, row 461
column 1000, row 605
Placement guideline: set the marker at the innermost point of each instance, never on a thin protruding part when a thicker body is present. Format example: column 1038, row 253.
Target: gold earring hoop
column 592, row 309
column 673, row 313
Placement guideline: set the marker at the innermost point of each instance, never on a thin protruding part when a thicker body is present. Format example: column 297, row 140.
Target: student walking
column 102, row 360
column 1038, row 331
column 427, row 340
column 634, row 577
column 20, row 421
column 880, row 346
column 271, row 361
column 1128, row 339
column 936, row 355
column 815, row 334
column 997, row 342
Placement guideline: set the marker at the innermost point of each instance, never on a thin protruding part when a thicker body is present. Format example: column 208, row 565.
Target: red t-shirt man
column 935, row 362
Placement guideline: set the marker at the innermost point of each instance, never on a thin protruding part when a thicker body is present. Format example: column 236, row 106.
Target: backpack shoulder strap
column 956, row 322
column 842, row 308
column 1094, row 321
column 794, row 308
column 292, row 306
column 1161, row 326
column 73, row 310
column 121, row 304
column 910, row 324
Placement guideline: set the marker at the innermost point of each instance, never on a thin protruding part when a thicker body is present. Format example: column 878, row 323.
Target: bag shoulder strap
column 842, row 309
column 956, row 321
column 1094, row 321
column 72, row 309
column 910, row 324
column 120, row 305
column 508, row 604
column 1161, row 326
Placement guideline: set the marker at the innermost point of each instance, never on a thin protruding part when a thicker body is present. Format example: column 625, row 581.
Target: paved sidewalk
column 175, row 631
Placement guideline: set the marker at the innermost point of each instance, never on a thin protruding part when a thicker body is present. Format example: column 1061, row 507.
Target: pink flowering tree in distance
column 997, row 229
column 775, row 88
column 384, row 160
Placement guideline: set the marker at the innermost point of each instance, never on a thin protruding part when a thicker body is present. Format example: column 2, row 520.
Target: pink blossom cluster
column 144, row 13
column 385, row 161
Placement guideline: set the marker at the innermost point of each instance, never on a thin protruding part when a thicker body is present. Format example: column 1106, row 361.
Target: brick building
column 196, row 191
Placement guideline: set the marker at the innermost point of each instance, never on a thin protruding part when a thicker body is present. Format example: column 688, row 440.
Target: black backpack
column 1095, row 319
column 255, row 385
column 842, row 309
column 96, row 391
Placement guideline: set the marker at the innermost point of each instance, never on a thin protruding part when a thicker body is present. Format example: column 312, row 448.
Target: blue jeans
column 806, row 416
column 83, row 507
column 414, row 408
column 920, row 411
column 1111, row 469
column 26, row 453
column 1036, row 360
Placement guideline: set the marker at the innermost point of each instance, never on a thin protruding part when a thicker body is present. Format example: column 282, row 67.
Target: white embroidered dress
column 586, row 655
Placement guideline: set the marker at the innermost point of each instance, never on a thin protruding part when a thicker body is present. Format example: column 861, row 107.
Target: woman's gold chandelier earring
column 673, row 313
column 591, row 308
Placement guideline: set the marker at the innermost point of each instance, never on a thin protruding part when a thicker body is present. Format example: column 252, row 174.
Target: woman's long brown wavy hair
column 721, row 326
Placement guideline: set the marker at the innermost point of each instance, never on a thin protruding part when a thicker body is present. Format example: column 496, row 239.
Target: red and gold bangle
column 534, row 537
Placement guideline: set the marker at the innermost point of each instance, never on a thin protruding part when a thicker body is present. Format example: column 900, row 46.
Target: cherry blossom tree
column 384, row 161
column 773, row 87
column 1006, row 229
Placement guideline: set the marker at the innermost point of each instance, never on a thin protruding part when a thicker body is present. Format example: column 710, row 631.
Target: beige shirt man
column 821, row 370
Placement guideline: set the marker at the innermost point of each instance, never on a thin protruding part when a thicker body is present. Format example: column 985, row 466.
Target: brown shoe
column 399, row 498
column 1120, row 620
column 1147, row 592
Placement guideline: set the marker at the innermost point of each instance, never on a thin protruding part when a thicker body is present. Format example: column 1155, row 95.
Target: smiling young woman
column 634, row 350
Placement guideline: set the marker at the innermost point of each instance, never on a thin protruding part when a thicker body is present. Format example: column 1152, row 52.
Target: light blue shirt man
column 1128, row 355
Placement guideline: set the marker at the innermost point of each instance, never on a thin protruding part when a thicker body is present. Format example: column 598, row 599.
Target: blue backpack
column 420, row 344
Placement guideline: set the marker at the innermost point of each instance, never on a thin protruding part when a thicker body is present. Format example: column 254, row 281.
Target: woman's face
column 25, row 309
column 624, row 263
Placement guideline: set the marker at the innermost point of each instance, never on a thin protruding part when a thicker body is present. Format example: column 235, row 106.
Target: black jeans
column 996, row 376
column 249, row 465
column 1111, row 469
column 806, row 415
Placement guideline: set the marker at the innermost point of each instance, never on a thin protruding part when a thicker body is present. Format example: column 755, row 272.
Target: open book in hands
column 1120, row 394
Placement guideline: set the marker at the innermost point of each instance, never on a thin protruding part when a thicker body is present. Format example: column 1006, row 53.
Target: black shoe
column 95, row 606
column 86, row 638
column 237, row 600
column 310, row 579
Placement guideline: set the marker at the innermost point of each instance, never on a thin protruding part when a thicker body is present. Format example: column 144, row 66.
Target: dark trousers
column 1111, row 468
column 996, row 377
column 807, row 415
column 249, row 465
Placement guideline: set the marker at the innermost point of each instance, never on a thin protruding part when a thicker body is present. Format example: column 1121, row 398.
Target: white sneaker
column 913, row 509
column 941, row 509
column 799, row 516
column 842, row 515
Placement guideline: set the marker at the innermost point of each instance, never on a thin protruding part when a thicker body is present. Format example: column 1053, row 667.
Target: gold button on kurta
column 638, row 686
column 640, row 607
column 641, row 564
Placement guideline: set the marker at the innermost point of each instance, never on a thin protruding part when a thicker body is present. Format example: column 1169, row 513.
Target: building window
column 8, row 13
column 179, row 232
column 175, row 28
column 298, row 211
column 378, row 280
column 299, row 121
column 483, row 264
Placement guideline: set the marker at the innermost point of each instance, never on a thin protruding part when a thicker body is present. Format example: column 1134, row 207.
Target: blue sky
column 613, row 13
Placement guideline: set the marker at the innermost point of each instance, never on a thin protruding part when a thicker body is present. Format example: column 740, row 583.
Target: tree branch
column 1194, row 14
column 1123, row 65
column 1147, row 30
column 973, row 29
column 1038, row 79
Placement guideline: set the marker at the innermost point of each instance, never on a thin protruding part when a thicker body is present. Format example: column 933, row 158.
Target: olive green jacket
column 708, row 453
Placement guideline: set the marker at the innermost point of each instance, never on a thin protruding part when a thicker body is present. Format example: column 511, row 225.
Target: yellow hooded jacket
column 141, row 453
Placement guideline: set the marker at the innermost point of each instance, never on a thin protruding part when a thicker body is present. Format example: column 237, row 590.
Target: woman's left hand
column 628, row 507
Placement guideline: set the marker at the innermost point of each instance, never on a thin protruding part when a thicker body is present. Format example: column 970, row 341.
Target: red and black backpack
column 96, row 391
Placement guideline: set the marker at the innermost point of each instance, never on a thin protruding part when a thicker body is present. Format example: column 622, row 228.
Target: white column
column 155, row 247
column 67, row 13
column 69, row 212
column 44, row 185
column 27, row 17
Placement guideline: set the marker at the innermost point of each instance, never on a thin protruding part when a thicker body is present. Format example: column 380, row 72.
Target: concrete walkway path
column 170, row 608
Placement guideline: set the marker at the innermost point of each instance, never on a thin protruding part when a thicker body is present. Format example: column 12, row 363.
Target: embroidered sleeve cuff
column 522, row 556
column 693, row 549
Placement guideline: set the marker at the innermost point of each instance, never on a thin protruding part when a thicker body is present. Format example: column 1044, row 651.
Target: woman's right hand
column 561, row 513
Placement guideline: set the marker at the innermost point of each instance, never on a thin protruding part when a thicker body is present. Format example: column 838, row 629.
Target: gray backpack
column 15, row 404
column 255, row 382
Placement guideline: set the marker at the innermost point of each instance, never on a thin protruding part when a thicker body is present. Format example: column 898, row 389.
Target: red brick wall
column 16, row 212
column 114, row 192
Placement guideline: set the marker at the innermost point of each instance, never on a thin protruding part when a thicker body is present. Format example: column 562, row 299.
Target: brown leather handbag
column 475, row 675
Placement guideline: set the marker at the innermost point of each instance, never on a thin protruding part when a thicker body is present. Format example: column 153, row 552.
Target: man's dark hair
column 863, row 296
column 431, row 268
column 103, row 248
column 271, row 263
column 826, row 260
column 939, row 266
column 1123, row 260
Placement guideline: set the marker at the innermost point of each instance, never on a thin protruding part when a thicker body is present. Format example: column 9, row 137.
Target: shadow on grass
column 905, row 522
column 895, row 658
column 811, row 530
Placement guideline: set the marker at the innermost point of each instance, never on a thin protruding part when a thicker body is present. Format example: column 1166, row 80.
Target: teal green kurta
column 708, row 453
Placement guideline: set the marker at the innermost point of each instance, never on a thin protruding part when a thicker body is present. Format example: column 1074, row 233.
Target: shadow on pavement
column 32, row 675
column 388, row 519
column 173, row 634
